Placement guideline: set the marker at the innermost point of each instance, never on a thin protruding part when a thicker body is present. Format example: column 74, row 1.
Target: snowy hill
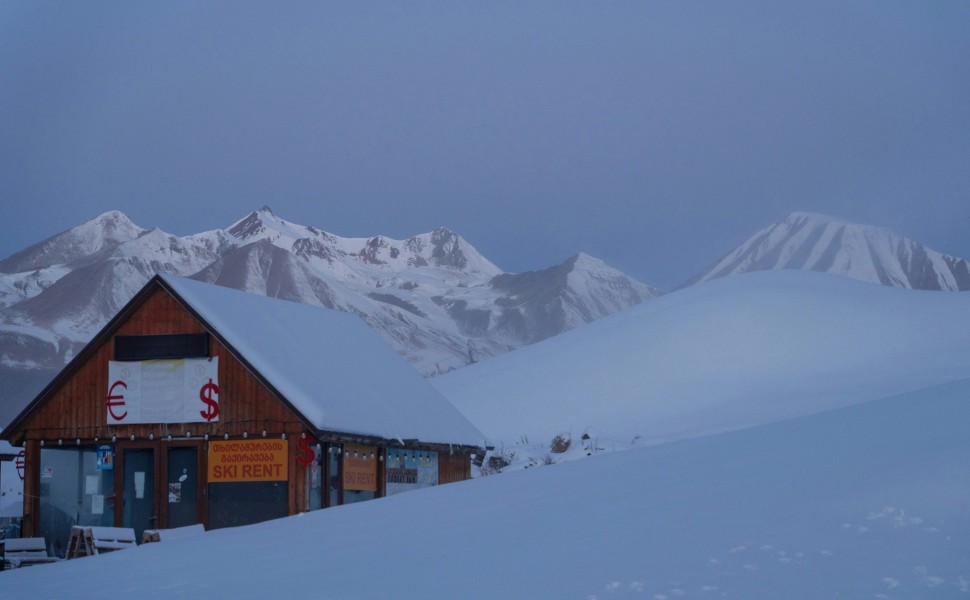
column 726, row 354
column 864, row 502
column 818, row 243
column 435, row 298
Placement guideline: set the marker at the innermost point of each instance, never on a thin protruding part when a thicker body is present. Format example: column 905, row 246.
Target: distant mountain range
column 438, row 301
column 435, row 298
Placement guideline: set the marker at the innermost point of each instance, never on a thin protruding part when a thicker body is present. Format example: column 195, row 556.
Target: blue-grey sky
column 653, row 135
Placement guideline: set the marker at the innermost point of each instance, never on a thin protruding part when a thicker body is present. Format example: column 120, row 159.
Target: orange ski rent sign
column 247, row 460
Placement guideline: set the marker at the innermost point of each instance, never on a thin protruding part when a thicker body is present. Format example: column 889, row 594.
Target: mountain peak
column 814, row 242
column 582, row 259
column 111, row 221
column 443, row 232
column 105, row 231
column 112, row 216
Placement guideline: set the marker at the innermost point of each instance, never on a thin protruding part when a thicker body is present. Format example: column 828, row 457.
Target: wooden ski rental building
column 203, row 404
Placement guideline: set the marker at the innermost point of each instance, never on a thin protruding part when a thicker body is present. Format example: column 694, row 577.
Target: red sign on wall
column 20, row 464
column 163, row 391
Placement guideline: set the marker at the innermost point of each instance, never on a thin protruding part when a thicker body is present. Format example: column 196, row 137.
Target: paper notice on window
column 97, row 504
column 139, row 484
column 91, row 484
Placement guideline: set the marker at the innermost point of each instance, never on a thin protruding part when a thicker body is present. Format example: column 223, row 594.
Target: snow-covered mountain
column 815, row 242
column 437, row 300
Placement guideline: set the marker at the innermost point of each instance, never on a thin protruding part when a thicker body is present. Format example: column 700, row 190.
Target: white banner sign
column 163, row 391
column 410, row 470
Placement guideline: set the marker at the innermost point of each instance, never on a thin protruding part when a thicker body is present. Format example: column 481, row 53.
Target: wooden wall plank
column 77, row 408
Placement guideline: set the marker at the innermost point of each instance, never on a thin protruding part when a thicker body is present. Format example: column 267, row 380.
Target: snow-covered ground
column 803, row 436
column 864, row 502
column 727, row 354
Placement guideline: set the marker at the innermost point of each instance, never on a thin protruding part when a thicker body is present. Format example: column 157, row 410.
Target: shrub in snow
column 496, row 462
column 560, row 444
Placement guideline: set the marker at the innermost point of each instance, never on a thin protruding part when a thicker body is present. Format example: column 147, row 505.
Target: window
column 73, row 491
column 244, row 503
column 154, row 347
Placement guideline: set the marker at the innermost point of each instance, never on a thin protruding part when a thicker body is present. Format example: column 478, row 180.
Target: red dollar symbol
column 212, row 404
column 307, row 455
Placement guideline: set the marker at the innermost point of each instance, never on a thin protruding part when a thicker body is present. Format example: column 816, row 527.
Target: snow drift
column 726, row 354
column 864, row 502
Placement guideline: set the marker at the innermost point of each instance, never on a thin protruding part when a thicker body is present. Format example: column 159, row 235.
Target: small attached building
column 204, row 404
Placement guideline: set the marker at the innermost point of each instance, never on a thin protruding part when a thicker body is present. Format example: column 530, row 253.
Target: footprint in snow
column 890, row 582
column 896, row 516
column 930, row 581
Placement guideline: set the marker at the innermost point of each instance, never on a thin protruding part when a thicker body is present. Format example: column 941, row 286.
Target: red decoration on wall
column 112, row 400
column 212, row 404
column 20, row 464
column 307, row 454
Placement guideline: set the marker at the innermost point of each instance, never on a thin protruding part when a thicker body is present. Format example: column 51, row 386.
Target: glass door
column 140, row 510
column 181, row 492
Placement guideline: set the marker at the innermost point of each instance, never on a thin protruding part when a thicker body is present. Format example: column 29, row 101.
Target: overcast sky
column 653, row 135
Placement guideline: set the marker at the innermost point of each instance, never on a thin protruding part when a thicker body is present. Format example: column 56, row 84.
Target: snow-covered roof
column 330, row 366
column 7, row 449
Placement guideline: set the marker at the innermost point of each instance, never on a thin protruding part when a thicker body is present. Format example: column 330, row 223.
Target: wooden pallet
column 24, row 552
column 89, row 541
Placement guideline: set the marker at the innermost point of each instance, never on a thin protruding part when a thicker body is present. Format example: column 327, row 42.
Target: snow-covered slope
column 729, row 353
column 866, row 502
column 818, row 243
column 435, row 298
column 101, row 233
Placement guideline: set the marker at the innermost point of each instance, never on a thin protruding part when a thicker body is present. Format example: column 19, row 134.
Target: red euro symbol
column 112, row 400
column 20, row 464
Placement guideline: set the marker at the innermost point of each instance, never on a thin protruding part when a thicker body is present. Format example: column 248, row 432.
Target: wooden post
column 31, row 490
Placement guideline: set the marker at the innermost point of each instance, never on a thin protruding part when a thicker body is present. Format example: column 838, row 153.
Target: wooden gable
column 73, row 406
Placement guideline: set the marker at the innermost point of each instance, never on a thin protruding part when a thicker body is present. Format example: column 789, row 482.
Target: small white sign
column 97, row 504
column 91, row 484
column 47, row 473
column 139, row 484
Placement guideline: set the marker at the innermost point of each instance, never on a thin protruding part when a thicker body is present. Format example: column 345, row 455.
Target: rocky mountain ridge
column 433, row 296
